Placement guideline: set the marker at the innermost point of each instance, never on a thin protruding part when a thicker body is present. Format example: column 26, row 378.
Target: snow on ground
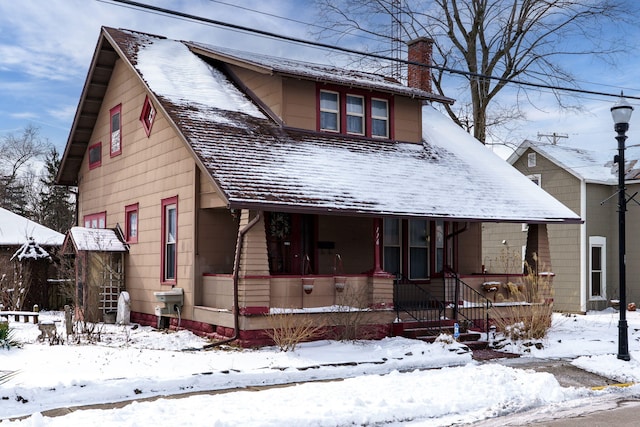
column 394, row 381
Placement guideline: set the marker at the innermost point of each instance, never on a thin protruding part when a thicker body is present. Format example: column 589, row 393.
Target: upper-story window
column 329, row 111
column 147, row 115
column 380, row 118
column 96, row 220
column 116, row 130
column 355, row 114
column 95, row 155
column 350, row 112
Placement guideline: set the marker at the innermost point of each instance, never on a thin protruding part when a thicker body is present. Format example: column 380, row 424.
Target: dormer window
column 116, row 134
column 147, row 115
column 329, row 111
column 379, row 118
column 354, row 112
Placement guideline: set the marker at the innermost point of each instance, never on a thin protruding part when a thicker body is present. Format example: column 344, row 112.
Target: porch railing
column 417, row 302
column 467, row 303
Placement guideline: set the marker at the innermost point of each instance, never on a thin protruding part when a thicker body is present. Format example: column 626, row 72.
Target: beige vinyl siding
column 408, row 119
column 148, row 170
column 266, row 87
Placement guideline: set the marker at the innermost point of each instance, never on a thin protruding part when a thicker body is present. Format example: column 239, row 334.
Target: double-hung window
column 329, row 111
column 379, row 118
column 355, row 114
column 169, row 239
column 598, row 267
column 116, row 130
column 131, row 223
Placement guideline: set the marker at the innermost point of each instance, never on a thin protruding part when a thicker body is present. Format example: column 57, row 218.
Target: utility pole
column 552, row 137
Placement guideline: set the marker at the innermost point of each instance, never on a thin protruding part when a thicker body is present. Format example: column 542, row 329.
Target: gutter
column 236, row 274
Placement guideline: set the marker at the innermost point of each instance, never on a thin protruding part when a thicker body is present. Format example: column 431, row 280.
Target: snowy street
column 390, row 382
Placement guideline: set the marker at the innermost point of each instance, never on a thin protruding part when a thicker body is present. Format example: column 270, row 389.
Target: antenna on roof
column 396, row 39
column 552, row 137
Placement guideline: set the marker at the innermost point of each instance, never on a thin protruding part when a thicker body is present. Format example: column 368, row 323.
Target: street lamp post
column 621, row 113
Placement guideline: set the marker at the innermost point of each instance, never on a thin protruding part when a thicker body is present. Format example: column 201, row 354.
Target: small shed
column 27, row 262
column 99, row 270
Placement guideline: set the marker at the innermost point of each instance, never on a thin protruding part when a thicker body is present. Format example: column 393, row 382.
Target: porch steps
column 429, row 331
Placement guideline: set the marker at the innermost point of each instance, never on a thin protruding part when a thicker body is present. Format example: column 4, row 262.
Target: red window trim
column 163, row 280
column 128, row 210
column 97, row 163
column 342, row 102
column 147, row 122
column 97, row 216
column 115, row 110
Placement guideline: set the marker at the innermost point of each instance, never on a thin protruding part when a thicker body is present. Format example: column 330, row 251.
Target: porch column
column 377, row 261
column 253, row 285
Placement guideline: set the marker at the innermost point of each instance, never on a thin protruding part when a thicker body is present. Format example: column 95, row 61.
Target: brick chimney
column 420, row 50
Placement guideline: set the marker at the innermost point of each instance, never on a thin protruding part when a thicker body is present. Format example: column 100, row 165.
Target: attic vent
column 531, row 160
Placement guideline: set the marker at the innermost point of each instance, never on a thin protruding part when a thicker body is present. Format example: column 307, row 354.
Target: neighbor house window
column 329, row 111
column 95, row 155
column 131, row 223
column 597, row 267
column 380, row 118
column 354, row 112
column 97, row 220
column 116, row 131
column 169, row 239
column 531, row 160
column 147, row 115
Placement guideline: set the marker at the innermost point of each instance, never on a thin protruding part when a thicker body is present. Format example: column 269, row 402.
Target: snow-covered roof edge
column 96, row 239
column 15, row 230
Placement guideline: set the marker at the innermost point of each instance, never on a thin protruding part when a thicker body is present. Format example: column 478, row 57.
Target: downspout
column 584, row 247
column 236, row 275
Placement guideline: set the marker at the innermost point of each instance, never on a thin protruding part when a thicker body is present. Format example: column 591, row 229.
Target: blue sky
column 46, row 49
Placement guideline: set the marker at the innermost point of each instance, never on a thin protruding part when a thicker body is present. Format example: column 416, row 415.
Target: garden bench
column 18, row 314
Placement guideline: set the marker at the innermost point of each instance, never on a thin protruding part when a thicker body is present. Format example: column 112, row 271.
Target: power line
column 182, row 15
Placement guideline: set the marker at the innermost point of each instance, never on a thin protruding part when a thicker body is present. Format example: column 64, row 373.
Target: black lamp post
column 621, row 113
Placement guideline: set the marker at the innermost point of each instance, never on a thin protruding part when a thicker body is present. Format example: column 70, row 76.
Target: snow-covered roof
column 312, row 71
column 96, row 239
column 588, row 165
column 15, row 230
column 257, row 163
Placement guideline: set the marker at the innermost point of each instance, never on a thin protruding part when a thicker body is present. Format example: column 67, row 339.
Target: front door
column 291, row 243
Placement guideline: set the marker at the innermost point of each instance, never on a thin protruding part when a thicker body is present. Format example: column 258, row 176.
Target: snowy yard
column 392, row 382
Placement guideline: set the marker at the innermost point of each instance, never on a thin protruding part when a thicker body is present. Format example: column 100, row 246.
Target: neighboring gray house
column 584, row 256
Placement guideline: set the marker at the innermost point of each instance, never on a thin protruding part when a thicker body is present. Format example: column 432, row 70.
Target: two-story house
column 585, row 256
column 240, row 178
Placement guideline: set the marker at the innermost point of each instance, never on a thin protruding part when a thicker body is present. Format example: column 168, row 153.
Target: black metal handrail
column 468, row 304
column 411, row 298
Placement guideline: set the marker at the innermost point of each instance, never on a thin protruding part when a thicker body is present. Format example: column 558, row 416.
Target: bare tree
column 504, row 39
column 17, row 152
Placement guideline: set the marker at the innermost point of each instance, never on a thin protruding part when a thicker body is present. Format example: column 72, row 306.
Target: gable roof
column 257, row 163
column 96, row 239
column 587, row 165
column 16, row 230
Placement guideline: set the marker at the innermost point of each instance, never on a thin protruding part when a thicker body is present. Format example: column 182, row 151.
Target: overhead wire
column 332, row 47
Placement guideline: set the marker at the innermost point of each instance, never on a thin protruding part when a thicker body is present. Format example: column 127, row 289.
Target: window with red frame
column 131, row 223
column 147, row 115
column 169, row 240
column 354, row 113
column 97, row 220
column 95, row 155
column 116, row 130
